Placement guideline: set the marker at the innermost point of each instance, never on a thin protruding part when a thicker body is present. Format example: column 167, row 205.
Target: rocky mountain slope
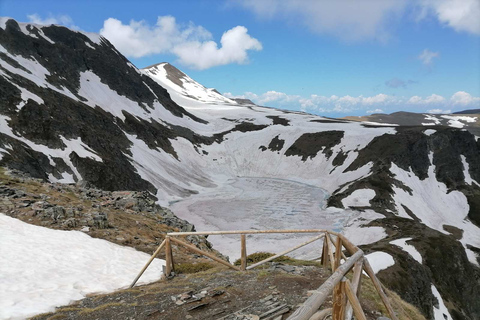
column 73, row 109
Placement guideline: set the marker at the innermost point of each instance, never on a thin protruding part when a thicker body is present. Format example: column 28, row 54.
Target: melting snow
column 42, row 268
column 456, row 121
column 429, row 132
column 402, row 243
column 359, row 198
column 440, row 313
column 380, row 260
column 466, row 172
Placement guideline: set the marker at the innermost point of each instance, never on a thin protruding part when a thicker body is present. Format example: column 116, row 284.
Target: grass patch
column 106, row 306
column 369, row 298
column 187, row 268
column 259, row 256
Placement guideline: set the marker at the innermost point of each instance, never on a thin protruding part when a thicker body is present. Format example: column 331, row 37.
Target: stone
column 100, row 220
column 55, row 212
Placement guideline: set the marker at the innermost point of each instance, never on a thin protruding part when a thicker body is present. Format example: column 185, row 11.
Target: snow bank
column 359, row 198
column 411, row 250
column 380, row 260
column 41, row 268
column 440, row 313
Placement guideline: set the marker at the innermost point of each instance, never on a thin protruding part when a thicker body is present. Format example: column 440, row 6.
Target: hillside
column 74, row 110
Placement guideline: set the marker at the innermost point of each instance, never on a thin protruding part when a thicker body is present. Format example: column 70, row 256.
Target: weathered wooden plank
column 285, row 252
column 243, row 259
column 368, row 269
column 357, row 276
column 330, row 253
column 160, row 247
column 320, row 315
column 315, row 300
column 199, row 233
column 339, row 301
column 338, row 252
column 211, row 256
column 351, row 248
column 343, row 255
column 168, row 257
column 325, row 253
column 352, row 298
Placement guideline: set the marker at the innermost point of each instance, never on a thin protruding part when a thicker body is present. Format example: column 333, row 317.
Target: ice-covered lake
column 262, row 204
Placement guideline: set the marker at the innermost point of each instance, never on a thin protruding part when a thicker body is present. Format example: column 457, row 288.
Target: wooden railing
column 345, row 292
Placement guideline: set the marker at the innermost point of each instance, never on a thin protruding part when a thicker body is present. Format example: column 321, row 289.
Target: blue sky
column 334, row 58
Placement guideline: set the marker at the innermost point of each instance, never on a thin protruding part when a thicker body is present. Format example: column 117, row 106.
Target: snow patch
column 380, row 260
column 429, row 132
column 430, row 117
column 466, row 172
column 44, row 268
column 359, row 198
column 456, row 121
column 440, row 313
column 411, row 250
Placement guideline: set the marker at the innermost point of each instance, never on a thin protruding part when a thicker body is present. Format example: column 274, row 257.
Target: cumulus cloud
column 461, row 15
column 432, row 99
column 427, row 57
column 379, row 103
column 346, row 19
column 64, row 20
column 464, row 98
column 439, row 111
column 193, row 45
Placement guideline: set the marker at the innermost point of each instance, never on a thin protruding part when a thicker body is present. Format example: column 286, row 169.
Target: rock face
column 74, row 110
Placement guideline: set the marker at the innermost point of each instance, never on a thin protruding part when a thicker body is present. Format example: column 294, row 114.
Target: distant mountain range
column 74, row 110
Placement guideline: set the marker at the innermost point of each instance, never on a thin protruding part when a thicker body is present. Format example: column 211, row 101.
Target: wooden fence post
column 357, row 276
column 339, row 301
column 330, row 252
column 243, row 264
column 355, row 304
column 325, row 253
column 168, row 257
column 338, row 252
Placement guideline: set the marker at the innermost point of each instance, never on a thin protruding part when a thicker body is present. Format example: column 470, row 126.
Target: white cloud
column 64, row 20
column 375, row 111
column 193, row 45
column 464, row 98
column 427, row 57
column 439, row 111
column 379, row 103
column 461, row 15
column 346, row 19
column 432, row 99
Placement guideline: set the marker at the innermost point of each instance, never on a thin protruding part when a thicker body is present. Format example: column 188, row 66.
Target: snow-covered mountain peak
column 182, row 88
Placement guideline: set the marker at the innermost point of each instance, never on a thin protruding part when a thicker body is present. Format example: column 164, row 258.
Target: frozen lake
column 262, row 204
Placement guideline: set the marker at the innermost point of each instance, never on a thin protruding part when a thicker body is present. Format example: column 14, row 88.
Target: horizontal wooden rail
column 211, row 233
column 285, row 252
column 211, row 256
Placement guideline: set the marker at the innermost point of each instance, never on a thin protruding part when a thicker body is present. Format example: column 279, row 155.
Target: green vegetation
column 187, row 268
column 259, row 256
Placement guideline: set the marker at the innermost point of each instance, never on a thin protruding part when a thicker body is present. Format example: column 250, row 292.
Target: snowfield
column 41, row 268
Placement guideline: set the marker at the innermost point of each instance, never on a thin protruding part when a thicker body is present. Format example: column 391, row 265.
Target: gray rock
column 55, row 212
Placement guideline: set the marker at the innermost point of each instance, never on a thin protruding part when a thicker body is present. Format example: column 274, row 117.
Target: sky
column 333, row 58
